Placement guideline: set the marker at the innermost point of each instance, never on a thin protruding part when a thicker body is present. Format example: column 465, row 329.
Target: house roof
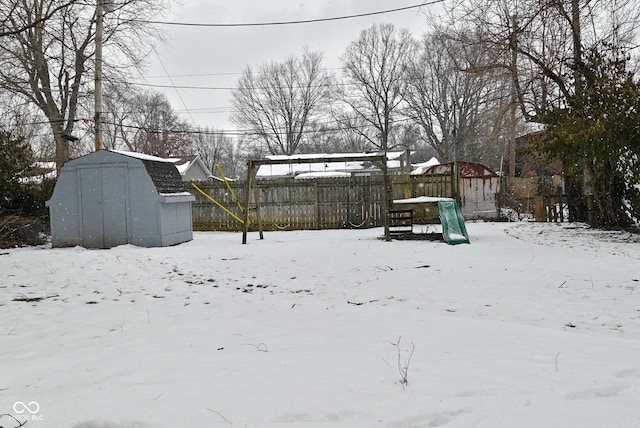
column 324, row 169
column 420, row 168
column 38, row 172
column 185, row 163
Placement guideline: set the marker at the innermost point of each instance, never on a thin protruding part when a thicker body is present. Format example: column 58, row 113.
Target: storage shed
column 478, row 188
column 110, row 198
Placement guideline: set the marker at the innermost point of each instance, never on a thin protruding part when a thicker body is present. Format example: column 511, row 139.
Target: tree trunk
column 62, row 145
column 575, row 199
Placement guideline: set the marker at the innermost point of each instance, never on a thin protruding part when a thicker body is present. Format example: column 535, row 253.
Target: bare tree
column 217, row 148
column 374, row 71
column 146, row 123
column 277, row 103
column 49, row 62
column 541, row 44
column 7, row 8
column 119, row 115
column 375, row 68
column 351, row 134
column 458, row 109
column 334, row 136
column 22, row 119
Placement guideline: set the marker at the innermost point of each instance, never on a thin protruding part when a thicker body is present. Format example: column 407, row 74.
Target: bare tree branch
column 375, row 69
column 278, row 103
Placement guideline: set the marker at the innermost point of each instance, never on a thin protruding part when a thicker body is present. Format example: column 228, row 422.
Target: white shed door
column 104, row 206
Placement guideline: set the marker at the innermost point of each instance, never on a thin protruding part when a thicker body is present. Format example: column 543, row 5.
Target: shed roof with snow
column 110, row 198
column 467, row 170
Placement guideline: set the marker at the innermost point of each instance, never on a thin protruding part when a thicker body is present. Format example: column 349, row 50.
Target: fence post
column 247, row 199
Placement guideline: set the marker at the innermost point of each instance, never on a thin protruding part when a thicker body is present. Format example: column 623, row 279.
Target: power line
column 230, row 73
column 230, row 88
column 174, row 86
column 194, row 75
column 244, row 132
column 154, row 85
column 304, row 21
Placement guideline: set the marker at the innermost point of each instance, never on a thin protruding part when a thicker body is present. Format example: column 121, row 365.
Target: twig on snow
column 361, row 303
column 260, row 347
column 217, row 413
column 403, row 368
column 20, row 423
column 13, row 329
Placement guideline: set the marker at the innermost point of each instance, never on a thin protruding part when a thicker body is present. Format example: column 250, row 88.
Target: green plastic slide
column 453, row 228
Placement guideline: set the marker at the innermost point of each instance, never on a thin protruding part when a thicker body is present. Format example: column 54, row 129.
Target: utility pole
column 512, row 120
column 98, row 76
column 455, row 173
column 579, row 68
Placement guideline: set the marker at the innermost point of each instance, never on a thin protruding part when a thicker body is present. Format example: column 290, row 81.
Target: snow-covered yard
column 532, row 325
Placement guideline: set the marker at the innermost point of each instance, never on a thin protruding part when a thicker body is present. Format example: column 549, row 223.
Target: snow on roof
column 320, row 174
column 183, row 167
column 422, row 200
column 420, row 168
column 184, row 163
column 38, row 172
column 531, row 128
column 390, row 155
column 143, row 156
column 38, row 179
column 323, row 169
column 305, row 168
column 44, row 165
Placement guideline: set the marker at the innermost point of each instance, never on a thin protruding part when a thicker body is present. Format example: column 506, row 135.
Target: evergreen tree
column 15, row 158
column 598, row 134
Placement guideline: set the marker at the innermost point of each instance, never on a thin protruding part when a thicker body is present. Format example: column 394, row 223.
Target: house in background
column 192, row 168
column 397, row 162
column 109, row 198
column 39, row 172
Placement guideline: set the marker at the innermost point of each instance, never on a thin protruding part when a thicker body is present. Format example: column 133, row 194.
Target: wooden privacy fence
column 321, row 203
column 412, row 186
column 543, row 197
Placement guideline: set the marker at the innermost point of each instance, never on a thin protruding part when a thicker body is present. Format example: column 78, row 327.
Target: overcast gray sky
column 214, row 57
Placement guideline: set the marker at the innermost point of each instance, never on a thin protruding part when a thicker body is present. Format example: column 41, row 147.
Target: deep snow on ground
column 531, row 325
